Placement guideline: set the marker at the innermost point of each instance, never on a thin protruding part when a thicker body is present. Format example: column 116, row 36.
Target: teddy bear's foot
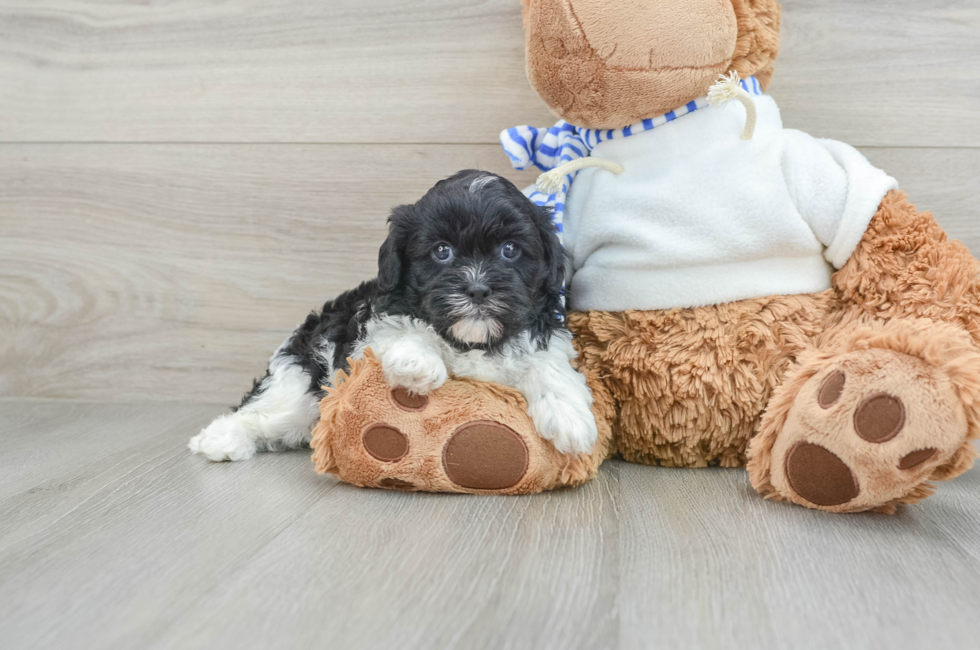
column 464, row 436
column 867, row 428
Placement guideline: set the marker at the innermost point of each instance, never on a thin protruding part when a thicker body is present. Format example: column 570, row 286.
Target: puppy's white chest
column 476, row 364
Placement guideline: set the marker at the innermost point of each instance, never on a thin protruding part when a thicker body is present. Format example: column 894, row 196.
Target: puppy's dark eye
column 510, row 251
column 442, row 252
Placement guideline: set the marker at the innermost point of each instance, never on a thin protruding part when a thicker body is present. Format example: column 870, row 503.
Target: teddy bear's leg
column 909, row 320
column 890, row 400
column 466, row 436
column 690, row 383
column 866, row 426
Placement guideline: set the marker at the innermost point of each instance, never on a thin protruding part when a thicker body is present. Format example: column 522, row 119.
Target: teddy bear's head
column 605, row 65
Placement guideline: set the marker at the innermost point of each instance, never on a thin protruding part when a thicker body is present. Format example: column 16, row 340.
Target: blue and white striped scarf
column 546, row 149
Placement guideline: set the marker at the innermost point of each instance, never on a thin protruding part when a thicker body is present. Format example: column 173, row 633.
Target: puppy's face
column 476, row 259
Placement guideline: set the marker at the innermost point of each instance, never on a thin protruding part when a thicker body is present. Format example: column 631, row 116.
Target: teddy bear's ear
column 758, row 39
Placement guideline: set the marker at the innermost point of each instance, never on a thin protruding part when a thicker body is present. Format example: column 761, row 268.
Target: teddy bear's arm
column 834, row 188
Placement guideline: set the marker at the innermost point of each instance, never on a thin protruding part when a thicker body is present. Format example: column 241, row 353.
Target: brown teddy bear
column 749, row 295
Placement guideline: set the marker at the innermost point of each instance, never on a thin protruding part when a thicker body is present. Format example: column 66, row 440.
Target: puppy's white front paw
column 571, row 428
column 418, row 371
column 224, row 439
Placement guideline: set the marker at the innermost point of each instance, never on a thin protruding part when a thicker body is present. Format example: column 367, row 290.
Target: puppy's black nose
column 478, row 292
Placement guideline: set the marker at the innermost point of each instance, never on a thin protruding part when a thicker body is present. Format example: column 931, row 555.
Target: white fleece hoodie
column 702, row 217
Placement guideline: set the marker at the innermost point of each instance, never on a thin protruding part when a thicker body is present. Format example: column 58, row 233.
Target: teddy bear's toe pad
column 407, row 401
column 916, row 458
column 831, row 389
column 384, row 442
column 485, row 455
column 879, row 418
column 396, row 484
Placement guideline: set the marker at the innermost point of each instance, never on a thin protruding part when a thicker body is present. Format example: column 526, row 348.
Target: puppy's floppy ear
column 393, row 249
column 389, row 264
column 553, row 251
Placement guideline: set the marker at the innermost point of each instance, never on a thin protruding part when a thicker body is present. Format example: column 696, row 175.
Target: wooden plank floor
column 113, row 536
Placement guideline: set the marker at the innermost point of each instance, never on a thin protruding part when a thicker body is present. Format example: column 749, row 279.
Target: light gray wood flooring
column 176, row 179
column 113, row 536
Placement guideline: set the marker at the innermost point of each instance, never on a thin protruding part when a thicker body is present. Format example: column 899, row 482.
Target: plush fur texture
column 363, row 400
column 691, row 383
column 695, row 385
column 757, row 45
column 608, row 65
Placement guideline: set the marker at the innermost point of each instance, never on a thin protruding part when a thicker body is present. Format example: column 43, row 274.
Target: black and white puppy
column 469, row 284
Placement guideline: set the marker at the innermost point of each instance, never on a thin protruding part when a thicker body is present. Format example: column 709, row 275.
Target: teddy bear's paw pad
column 485, row 455
column 865, row 431
column 385, row 442
column 819, row 476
